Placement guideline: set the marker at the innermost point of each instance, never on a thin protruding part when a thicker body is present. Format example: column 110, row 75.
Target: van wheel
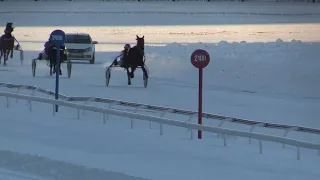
column 93, row 60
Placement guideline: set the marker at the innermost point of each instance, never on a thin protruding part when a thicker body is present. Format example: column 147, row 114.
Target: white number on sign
column 56, row 38
column 200, row 58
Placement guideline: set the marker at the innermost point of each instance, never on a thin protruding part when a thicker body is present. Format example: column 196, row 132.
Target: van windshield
column 78, row 39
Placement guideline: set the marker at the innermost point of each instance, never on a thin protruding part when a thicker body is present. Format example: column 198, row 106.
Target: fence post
column 131, row 123
column 18, row 91
column 131, row 119
column 161, row 129
column 298, row 153
column 104, row 118
column 191, row 135
column 161, row 115
column 287, row 132
column 54, row 109
column 78, row 113
column 7, row 102
column 254, row 126
column 85, row 103
column 222, row 122
column 110, row 106
column 32, row 92
column 190, row 120
column 30, row 106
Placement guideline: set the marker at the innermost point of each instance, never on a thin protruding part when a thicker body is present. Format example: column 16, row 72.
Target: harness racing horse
column 134, row 58
column 52, row 56
column 7, row 47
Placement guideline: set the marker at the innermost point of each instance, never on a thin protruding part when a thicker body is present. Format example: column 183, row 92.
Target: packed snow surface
column 263, row 67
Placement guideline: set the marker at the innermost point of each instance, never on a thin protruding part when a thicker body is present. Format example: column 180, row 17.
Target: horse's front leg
column 59, row 68
column 11, row 53
column 51, row 65
column 128, row 75
column 5, row 57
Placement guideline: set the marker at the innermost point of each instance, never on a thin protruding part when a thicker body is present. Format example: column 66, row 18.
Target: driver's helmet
column 127, row 46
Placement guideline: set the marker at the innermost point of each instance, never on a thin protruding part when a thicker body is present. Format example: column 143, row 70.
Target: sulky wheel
column 21, row 55
column 108, row 75
column 69, row 68
column 33, row 66
column 145, row 78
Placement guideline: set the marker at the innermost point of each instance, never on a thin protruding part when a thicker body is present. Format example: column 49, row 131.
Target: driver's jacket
column 123, row 54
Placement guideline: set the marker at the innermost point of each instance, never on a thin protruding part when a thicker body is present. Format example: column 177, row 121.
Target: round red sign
column 200, row 58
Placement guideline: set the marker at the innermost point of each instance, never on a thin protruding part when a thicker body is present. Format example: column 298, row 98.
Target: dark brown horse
column 135, row 58
column 6, row 47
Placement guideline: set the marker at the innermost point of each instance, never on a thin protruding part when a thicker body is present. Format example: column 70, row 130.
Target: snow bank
column 275, row 67
column 50, row 169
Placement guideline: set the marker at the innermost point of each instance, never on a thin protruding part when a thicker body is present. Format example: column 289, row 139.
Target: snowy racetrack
column 263, row 79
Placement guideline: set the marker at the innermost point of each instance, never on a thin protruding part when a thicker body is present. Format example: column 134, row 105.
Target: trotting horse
column 52, row 56
column 6, row 47
column 135, row 58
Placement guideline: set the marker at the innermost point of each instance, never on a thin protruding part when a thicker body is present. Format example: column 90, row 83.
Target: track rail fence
column 141, row 117
column 164, row 110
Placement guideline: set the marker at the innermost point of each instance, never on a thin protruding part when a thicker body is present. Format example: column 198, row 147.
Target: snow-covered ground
column 253, row 74
column 140, row 152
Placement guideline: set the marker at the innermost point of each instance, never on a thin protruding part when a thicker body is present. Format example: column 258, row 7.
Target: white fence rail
column 164, row 110
column 161, row 121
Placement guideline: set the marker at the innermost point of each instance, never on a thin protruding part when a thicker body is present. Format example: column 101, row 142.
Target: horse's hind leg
column 54, row 65
column 129, row 76
column 133, row 68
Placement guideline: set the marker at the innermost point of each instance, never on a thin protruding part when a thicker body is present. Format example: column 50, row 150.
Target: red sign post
column 200, row 59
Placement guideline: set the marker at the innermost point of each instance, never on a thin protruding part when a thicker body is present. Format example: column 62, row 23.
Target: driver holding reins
column 122, row 56
column 8, row 35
